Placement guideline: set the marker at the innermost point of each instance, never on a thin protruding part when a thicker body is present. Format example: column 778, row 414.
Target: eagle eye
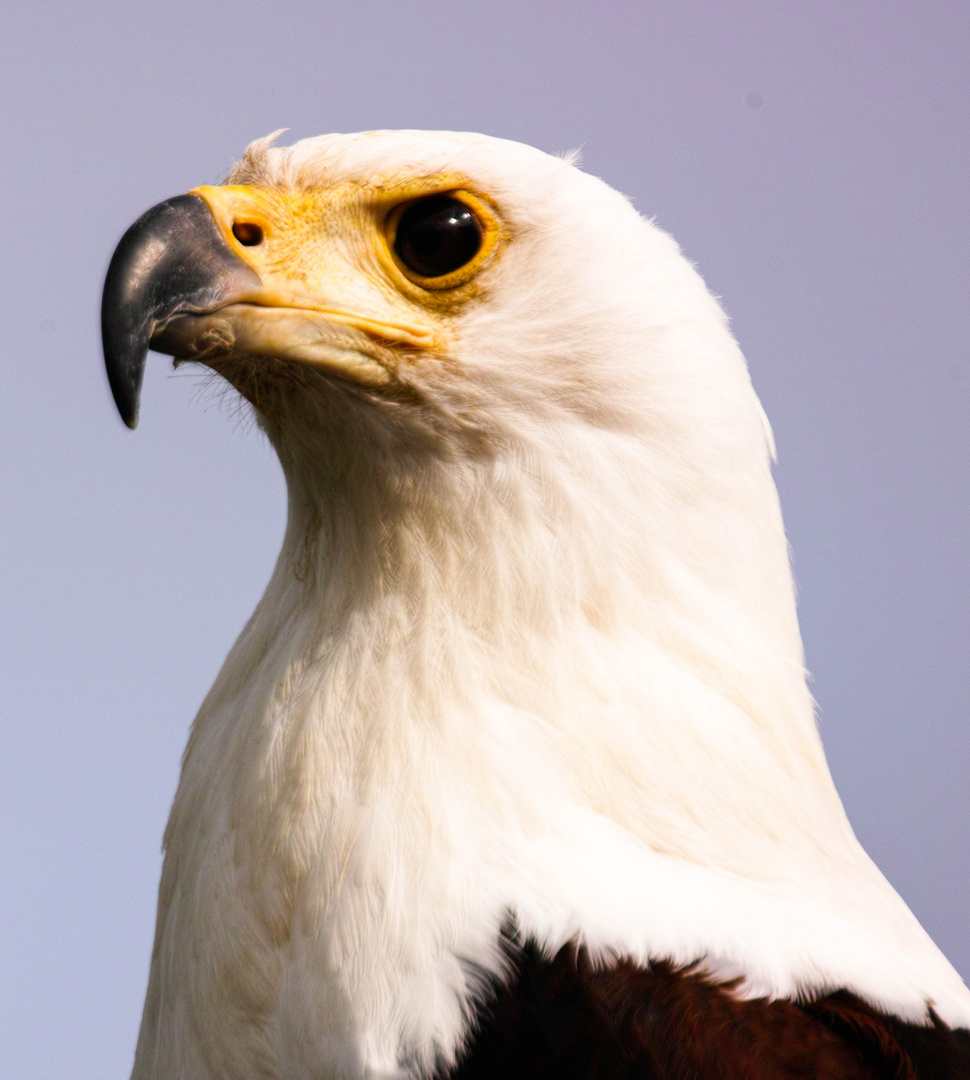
column 248, row 233
column 436, row 236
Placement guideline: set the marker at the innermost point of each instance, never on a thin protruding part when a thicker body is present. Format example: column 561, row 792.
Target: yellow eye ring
column 451, row 231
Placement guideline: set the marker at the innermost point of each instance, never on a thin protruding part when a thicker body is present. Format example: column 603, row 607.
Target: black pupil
column 437, row 236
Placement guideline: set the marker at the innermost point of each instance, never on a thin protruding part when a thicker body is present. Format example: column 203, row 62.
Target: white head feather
column 530, row 647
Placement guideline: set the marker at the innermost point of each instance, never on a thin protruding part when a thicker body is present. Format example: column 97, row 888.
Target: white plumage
column 530, row 646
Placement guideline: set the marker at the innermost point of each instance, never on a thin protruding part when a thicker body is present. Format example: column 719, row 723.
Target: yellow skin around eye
column 330, row 281
column 302, row 228
column 489, row 232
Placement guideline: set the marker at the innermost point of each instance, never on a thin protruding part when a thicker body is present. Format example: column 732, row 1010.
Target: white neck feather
column 556, row 674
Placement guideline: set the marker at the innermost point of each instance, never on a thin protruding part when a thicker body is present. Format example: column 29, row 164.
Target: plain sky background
column 811, row 157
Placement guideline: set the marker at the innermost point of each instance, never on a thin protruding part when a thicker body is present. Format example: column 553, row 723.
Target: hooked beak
column 179, row 283
column 173, row 261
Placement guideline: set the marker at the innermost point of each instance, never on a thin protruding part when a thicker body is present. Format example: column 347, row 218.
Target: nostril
column 247, row 233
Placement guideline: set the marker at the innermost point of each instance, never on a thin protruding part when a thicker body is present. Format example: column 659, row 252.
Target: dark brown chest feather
column 565, row 1018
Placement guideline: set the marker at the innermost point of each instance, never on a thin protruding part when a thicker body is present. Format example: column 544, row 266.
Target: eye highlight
column 437, row 236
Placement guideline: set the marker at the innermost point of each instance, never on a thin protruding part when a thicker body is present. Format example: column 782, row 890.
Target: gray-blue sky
column 810, row 157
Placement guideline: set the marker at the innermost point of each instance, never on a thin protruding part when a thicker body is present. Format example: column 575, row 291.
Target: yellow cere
column 331, row 250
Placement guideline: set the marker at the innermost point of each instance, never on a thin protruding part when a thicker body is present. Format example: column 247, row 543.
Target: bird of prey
column 513, row 772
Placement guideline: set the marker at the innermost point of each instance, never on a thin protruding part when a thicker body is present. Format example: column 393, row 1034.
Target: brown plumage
column 567, row 1018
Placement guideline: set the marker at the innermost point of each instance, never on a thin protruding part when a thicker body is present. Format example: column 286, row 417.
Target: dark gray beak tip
column 172, row 261
column 125, row 365
column 134, row 294
column 124, row 337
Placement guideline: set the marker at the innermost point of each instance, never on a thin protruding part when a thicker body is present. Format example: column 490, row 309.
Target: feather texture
column 530, row 646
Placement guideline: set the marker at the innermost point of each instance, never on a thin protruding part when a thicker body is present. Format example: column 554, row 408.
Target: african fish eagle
column 513, row 772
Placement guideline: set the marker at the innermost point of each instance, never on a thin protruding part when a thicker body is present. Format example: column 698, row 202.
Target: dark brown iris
column 436, row 236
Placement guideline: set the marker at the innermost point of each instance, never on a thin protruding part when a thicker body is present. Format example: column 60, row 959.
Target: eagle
column 514, row 771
